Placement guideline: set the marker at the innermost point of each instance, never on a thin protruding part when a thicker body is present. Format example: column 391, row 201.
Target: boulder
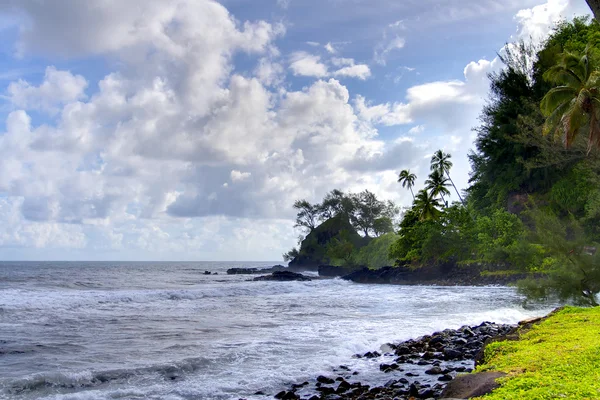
column 283, row 276
column 472, row 385
column 333, row 271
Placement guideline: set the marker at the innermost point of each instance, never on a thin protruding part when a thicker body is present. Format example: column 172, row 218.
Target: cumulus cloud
column 174, row 151
column 305, row 64
column 57, row 89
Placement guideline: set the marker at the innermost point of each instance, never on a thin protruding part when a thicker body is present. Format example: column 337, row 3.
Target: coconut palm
column 573, row 107
column 407, row 179
column 440, row 161
column 427, row 205
column 437, row 185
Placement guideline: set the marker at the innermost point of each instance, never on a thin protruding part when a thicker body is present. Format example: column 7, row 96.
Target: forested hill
column 533, row 202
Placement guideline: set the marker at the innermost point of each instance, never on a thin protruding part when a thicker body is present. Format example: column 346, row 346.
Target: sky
column 185, row 129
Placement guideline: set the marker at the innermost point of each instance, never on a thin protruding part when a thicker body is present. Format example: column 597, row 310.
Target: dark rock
column 325, row 390
column 343, row 387
column 445, row 378
column 207, row 273
column 333, row 271
column 434, row 371
column 473, row 385
column 259, row 393
column 280, row 394
column 290, row 396
column 425, row 393
column 325, row 380
column 371, row 354
column 452, row 354
column 283, row 276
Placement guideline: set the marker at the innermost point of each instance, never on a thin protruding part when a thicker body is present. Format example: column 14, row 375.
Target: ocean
column 165, row 330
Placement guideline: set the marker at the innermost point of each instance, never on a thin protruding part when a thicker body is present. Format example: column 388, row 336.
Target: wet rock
column 325, row 380
column 445, row 378
column 283, row 276
column 452, row 354
column 434, row 371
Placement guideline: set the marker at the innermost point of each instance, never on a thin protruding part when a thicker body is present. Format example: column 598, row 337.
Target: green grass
column 557, row 359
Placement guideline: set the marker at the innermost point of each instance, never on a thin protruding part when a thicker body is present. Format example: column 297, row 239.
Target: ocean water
column 167, row 331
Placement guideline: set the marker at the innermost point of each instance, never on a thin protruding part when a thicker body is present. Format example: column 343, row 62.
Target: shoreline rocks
column 419, row 368
column 430, row 275
column 283, row 276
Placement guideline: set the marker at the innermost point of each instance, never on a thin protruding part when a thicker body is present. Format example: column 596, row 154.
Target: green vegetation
column 557, row 359
column 333, row 227
column 532, row 207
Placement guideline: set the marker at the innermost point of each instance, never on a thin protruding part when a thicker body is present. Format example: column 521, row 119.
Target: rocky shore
column 441, row 275
column 423, row 368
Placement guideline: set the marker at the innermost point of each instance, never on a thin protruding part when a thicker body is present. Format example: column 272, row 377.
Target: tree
column 437, row 185
column 595, row 7
column 574, row 105
column 290, row 255
column 341, row 248
column 426, row 206
column 308, row 214
column 570, row 269
column 367, row 210
column 441, row 161
column 335, row 202
column 407, row 179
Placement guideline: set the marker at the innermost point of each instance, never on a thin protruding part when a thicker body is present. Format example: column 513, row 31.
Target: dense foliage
column 532, row 206
column 533, row 202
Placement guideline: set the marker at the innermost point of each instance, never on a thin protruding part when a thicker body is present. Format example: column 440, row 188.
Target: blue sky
column 185, row 130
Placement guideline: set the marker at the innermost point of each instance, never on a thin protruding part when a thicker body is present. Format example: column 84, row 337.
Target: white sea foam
column 214, row 337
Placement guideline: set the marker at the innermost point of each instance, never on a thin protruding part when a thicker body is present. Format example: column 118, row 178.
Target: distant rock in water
column 283, row 276
column 332, row 270
column 430, row 275
column 250, row 271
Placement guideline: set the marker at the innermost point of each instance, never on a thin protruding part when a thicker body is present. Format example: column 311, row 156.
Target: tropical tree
column 437, row 185
column 573, row 107
column 426, row 205
column 441, row 161
column 368, row 211
column 407, row 179
column 308, row 214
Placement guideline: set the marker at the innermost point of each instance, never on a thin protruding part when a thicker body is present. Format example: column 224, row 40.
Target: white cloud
column 415, row 130
column 360, row 71
column 538, row 21
column 178, row 153
column 239, row 176
column 330, row 49
column 305, row 64
column 57, row 89
column 384, row 48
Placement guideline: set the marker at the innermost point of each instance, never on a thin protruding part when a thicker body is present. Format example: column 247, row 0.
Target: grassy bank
column 557, row 359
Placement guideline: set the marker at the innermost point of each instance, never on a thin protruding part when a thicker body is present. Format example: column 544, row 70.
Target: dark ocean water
column 109, row 330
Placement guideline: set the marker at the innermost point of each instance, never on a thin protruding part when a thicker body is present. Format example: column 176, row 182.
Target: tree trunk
column 411, row 192
column 454, row 186
column 595, row 7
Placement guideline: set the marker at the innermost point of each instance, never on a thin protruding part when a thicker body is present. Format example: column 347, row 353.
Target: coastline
column 554, row 356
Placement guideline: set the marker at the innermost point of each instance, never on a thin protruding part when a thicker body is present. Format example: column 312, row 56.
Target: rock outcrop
column 283, row 276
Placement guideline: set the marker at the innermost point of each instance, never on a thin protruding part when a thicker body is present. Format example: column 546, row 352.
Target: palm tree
column 426, row 205
column 574, row 105
column 407, row 179
column 440, row 161
column 437, row 185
